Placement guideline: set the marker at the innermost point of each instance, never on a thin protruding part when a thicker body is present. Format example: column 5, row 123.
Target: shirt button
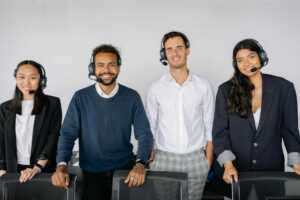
column 254, row 161
column 255, row 144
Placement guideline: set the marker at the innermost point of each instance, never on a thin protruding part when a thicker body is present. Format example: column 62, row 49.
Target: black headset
column 264, row 59
column 41, row 69
column 263, row 56
column 163, row 58
column 91, row 66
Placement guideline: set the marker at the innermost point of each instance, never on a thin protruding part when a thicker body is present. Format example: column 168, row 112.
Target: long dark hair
column 39, row 96
column 240, row 97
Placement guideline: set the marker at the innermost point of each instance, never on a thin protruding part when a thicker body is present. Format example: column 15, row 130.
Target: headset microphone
column 254, row 68
column 32, row 91
column 163, row 61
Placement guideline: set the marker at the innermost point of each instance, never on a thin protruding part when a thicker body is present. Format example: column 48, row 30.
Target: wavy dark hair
column 39, row 97
column 240, row 97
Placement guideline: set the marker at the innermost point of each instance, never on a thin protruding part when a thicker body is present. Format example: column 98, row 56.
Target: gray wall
column 61, row 34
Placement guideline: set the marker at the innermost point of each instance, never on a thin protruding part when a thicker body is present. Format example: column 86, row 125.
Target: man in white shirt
column 180, row 107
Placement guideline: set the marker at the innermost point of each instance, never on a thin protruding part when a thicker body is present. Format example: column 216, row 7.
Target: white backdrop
column 60, row 34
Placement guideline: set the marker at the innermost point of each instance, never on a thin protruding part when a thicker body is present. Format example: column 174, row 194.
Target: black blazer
column 44, row 140
column 261, row 149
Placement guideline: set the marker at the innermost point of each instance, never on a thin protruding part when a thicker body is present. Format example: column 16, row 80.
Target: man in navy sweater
column 101, row 116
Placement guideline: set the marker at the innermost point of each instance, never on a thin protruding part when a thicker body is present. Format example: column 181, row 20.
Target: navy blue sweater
column 103, row 126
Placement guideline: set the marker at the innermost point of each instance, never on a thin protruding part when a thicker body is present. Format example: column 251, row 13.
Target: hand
column 60, row 177
column 209, row 161
column 28, row 174
column 297, row 168
column 136, row 176
column 230, row 171
column 152, row 157
column 2, row 172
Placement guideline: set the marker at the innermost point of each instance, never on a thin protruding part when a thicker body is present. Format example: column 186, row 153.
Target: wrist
column 61, row 168
column 41, row 167
column 228, row 164
column 37, row 169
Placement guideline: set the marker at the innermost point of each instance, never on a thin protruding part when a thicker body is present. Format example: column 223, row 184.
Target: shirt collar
column 170, row 78
column 110, row 95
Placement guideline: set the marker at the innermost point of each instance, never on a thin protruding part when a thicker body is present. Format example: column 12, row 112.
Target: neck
column 179, row 74
column 107, row 89
column 28, row 97
column 256, row 80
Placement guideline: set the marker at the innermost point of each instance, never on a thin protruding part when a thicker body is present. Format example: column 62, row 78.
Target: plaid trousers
column 194, row 164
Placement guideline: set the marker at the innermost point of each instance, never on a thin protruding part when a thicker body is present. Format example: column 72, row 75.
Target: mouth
column 176, row 59
column 106, row 76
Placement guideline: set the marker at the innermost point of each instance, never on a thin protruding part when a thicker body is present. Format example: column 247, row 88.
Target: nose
column 27, row 81
column 246, row 62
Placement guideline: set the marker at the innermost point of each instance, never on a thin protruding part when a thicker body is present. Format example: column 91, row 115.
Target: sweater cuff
column 293, row 158
column 225, row 156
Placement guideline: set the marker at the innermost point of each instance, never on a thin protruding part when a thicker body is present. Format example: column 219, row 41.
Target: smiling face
column 106, row 68
column 27, row 79
column 176, row 52
column 247, row 60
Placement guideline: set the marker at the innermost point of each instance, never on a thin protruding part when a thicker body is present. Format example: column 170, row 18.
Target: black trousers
column 98, row 186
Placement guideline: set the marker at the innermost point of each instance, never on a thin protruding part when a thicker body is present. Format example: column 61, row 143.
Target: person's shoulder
column 53, row 100
column 158, row 83
column 5, row 106
column 201, row 80
column 225, row 86
column 84, row 91
column 277, row 81
column 125, row 90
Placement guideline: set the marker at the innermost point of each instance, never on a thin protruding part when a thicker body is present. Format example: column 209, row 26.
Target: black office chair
column 39, row 188
column 266, row 186
column 158, row 186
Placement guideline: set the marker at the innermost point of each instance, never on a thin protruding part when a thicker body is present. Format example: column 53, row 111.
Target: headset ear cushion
column 162, row 54
column 15, row 73
column 163, row 58
column 264, row 58
column 44, row 82
column 91, row 68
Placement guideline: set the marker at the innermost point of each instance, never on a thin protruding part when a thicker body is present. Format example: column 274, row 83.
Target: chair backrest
column 158, row 186
column 267, row 186
column 39, row 188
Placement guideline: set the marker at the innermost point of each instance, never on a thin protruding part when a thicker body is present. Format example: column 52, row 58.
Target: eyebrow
column 251, row 53
column 22, row 74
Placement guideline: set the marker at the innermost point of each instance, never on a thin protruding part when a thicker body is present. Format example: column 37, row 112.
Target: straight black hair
column 39, row 97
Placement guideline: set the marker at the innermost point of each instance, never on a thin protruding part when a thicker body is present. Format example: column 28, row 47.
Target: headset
column 263, row 56
column 91, row 66
column 163, row 58
column 41, row 69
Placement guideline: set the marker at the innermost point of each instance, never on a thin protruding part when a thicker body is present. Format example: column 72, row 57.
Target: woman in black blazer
column 29, row 125
column 254, row 113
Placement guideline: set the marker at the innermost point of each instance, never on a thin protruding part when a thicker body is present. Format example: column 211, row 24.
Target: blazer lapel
column 267, row 94
column 38, row 121
column 12, row 136
column 251, row 122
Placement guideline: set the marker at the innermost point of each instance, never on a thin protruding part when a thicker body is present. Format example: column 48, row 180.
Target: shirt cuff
column 61, row 163
column 293, row 158
column 225, row 156
column 209, row 136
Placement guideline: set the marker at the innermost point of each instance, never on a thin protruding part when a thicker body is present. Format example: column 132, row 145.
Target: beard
column 105, row 81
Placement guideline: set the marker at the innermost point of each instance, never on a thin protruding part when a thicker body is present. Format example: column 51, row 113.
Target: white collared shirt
column 110, row 95
column 181, row 116
column 24, row 132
